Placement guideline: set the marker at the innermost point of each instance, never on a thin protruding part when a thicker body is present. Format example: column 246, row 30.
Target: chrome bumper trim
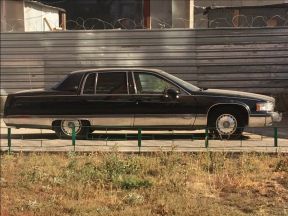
column 264, row 120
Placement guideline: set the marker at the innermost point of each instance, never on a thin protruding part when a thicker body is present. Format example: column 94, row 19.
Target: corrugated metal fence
column 254, row 60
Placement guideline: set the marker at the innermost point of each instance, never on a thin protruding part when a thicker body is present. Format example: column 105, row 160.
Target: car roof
column 117, row 70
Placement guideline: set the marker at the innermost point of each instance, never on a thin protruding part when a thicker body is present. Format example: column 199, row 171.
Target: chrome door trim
column 84, row 82
column 134, row 83
column 95, row 120
column 127, row 83
column 164, row 120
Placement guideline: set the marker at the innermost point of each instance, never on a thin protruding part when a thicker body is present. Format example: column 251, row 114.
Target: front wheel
column 64, row 128
column 226, row 124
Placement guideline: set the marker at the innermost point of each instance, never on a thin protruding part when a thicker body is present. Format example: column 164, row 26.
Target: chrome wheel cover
column 67, row 126
column 226, row 124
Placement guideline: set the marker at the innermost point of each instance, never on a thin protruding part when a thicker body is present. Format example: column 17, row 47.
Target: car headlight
column 267, row 106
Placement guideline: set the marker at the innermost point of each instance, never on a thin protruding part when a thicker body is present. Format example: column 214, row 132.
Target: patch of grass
column 151, row 184
column 132, row 182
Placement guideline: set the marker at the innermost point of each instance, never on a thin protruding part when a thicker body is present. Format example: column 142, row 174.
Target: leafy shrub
column 132, row 182
column 115, row 167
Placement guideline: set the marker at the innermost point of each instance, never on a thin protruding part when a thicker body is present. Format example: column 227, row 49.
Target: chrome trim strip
column 32, row 121
column 137, row 120
column 83, row 84
column 100, row 120
column 222, row 96
column 164, row 120
column 127, row 83
column 117, row 120
column 134, row 83
column 96, row 81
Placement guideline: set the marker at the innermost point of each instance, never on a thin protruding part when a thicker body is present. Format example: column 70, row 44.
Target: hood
column 240, row 94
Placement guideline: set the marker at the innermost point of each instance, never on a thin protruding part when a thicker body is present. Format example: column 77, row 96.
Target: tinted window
column 70, row 83
column 89, row 87
column 111, row 83
column 150, row 84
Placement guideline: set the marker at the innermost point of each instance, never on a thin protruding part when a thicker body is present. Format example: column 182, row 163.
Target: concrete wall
column 161, row 14
column 171, row 13
column 181, row 13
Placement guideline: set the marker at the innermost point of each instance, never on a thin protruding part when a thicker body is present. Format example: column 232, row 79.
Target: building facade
column 26, row 15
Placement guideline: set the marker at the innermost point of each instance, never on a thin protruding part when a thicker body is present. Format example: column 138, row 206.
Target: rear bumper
column 262, row 120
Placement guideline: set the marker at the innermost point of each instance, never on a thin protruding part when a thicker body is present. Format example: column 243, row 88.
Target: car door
column 107, row 99
column 155, row 108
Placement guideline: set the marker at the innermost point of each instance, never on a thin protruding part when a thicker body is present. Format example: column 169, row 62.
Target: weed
column 133, row 199
column 153, row 184
column 133, row 182
column 282, row 165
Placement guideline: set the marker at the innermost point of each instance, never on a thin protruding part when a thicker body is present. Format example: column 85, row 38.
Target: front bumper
column 262, row 120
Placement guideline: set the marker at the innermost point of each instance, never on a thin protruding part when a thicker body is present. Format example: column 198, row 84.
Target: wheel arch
column 243, row 108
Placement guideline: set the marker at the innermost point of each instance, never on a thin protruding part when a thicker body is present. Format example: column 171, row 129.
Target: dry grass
column 154, row 184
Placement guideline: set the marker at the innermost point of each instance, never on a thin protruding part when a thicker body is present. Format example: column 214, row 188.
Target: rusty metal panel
column 247, row 59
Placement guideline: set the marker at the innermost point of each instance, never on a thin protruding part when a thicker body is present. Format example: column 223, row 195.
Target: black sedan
column 135, row 98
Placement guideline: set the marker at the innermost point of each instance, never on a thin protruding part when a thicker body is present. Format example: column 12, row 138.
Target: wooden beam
column 48, row 24
column 146, row 13
column 63, row 21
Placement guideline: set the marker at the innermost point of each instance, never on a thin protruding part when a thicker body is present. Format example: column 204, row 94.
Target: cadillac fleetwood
column 122, row 98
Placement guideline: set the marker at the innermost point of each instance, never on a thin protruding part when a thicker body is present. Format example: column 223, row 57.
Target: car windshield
column 181, row 82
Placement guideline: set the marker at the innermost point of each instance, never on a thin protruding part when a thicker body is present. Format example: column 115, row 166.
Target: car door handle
column 138, row 101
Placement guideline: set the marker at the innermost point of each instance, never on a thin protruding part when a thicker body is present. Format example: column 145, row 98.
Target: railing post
column 206, row 138
column 139, row 139
column 275, row 137
column 9, row 140
column 73, row 137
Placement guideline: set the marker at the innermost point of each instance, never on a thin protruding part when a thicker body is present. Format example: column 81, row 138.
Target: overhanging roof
column 44, row 5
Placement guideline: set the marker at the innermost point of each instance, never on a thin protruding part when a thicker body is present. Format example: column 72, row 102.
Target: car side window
column 112, row 83
column 70, row 83
column 151, row 84
column 89, row 87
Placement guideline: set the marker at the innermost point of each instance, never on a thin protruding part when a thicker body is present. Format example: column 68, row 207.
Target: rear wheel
column 64, row 128
column 226, row 124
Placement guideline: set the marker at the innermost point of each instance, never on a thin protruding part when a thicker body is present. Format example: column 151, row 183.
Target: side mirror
column 173, row 93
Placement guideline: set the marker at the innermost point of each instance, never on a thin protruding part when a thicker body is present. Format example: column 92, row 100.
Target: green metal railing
column 139, row 137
